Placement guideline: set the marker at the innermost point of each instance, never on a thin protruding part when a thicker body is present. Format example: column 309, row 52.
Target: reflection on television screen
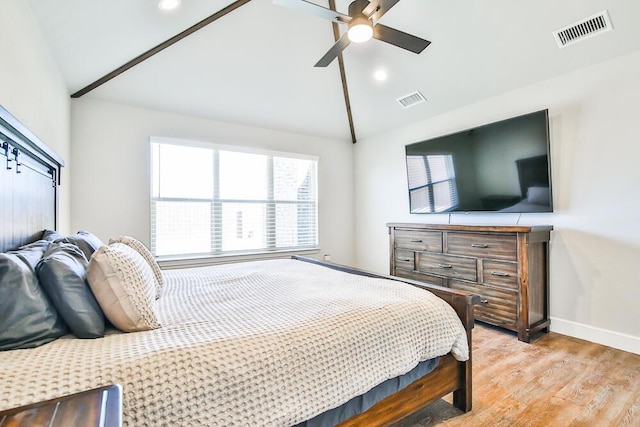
column 499, row 167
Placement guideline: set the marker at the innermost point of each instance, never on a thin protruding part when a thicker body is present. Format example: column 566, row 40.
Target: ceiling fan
column 362, row 21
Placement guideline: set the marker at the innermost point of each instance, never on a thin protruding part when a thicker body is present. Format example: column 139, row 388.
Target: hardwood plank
column 631, row 414
column 554, row 381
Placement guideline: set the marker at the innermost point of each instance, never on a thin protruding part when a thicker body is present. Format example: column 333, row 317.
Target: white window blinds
column 432, row 183
column 219, row 201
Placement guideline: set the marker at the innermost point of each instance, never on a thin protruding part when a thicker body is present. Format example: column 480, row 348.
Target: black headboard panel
column 533, row 172
column 29, row 179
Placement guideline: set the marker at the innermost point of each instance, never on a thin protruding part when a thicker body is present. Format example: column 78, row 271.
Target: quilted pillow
column 87, row 242
column 123, row 284
column 146, row 254
column 62, row 274
column 28, row 318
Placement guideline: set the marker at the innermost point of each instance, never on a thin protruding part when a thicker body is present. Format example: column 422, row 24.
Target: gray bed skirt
column 365, row 401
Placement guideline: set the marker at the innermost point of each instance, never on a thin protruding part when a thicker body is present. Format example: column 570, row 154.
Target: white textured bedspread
column 263, row 343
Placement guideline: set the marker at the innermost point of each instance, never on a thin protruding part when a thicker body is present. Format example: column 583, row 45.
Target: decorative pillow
column 28, row 319
column 31, row 253
column 51, row 235
column 62, row 274
column 124, row 286
column 538, row 196
column 146, row 254
column 87, row 242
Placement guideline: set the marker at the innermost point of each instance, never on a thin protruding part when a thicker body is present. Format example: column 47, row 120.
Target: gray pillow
column 32, row 253
column 51, row 235
column 87, row 242
column 63, row 276
column 28, row 318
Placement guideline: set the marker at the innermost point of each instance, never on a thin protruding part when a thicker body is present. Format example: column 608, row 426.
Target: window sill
column 168, row 263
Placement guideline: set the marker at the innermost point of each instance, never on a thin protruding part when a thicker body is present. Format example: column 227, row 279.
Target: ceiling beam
column 343, row 77
column 148, row 54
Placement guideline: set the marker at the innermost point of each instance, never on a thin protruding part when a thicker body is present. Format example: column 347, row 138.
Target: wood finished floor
column 554, row 381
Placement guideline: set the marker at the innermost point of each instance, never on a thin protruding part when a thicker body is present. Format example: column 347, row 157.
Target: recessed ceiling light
column 380, row 75
column 168, row 4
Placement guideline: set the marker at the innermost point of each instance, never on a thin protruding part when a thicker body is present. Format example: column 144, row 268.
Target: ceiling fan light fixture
column 360, row 29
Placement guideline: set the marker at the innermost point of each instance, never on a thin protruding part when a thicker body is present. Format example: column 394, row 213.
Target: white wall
column 32, row 88
column 594, row 124
column 110, row 151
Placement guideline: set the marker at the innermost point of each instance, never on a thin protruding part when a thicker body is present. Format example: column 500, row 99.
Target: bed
column 533, row 177
column 279, row 342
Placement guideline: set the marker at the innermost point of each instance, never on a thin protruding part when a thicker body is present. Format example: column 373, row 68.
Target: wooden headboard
column 29, row 179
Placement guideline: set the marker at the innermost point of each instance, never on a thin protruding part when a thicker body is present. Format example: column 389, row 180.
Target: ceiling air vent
column 412, row 99
column 592, row 26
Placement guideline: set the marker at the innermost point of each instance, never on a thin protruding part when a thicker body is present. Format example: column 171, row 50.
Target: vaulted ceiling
column 254, row 66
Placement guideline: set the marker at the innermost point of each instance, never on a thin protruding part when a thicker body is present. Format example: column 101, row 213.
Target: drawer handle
column 416, row 240
column 404, row 259
column 479, row 245
column 445, row 266
column 499, row 274
column 484, row 301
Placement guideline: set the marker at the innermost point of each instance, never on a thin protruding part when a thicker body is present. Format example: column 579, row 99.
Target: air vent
column 412, row 99
column 592, row 26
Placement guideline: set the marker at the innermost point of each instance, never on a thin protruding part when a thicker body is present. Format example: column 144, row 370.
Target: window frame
column 430, row 183
column 216, row 253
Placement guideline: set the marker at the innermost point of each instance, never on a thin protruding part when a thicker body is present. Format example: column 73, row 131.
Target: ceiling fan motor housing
column 361, row 17
column 356, row 8
column 360, row 26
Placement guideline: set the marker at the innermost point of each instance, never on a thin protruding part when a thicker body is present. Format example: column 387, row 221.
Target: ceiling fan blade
column 376, row 9
column 335, row 50
column 313, row 9
column 399, row 38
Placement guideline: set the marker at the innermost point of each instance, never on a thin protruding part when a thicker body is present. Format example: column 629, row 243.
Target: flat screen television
column 498, row 167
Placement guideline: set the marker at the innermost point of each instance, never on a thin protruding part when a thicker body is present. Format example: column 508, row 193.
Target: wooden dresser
column 507, row 266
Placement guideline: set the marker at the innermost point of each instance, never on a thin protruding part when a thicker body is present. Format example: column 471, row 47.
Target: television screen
column 498, row 167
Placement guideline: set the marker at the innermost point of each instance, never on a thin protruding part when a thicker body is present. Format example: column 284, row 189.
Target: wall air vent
column 412, row 99
column 592, row 26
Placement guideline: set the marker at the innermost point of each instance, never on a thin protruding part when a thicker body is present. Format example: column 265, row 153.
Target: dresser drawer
column 446, row 265
column 502, row 274
column 497, row 306
column 496, row 246
column 418, row 240
column 405, row 259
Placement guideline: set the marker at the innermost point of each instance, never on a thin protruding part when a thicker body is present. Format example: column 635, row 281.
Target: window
column 432, row 183
column 211, row 200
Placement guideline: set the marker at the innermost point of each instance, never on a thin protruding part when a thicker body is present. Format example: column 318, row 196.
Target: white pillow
column 146, row 254
column 124, row 286
column 538, row 196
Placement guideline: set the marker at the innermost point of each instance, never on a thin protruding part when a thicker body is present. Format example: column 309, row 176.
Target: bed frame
column 29, row 179
column 532, row 171
column 450, row 376
column 30, row 174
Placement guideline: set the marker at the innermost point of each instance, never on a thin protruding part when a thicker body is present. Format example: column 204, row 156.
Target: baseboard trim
column 613, row 339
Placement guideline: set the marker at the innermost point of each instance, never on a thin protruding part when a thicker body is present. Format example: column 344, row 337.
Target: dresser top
column 462, row 227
